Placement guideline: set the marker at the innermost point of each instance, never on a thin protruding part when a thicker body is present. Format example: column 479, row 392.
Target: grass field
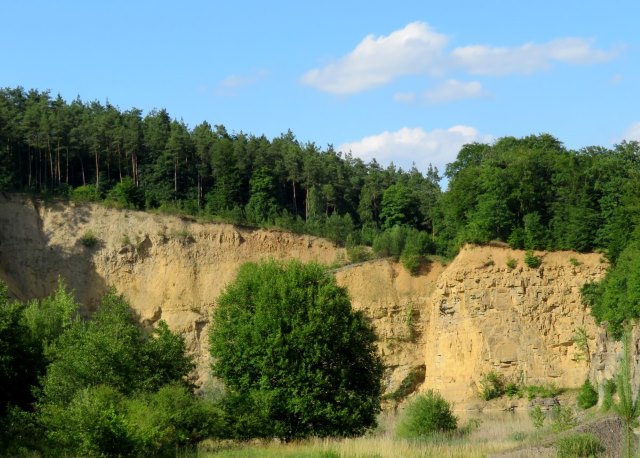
column 495, row 433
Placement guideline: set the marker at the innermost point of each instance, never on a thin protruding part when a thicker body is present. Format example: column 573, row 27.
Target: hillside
column 448, row 325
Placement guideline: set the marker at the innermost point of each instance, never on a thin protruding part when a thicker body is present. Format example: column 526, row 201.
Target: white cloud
column 454, row 90
column 404, row 97
column 376, row 61
column 632, row 133
column 231, row 84
column 528, row 58
column 415, row 145
column 417, row 49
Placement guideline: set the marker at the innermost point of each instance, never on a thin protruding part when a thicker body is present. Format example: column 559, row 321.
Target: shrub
column 86, row 193
column 358, row 253
column 512, row 263
column 512, row 390
column 295, row 357
column 427, row 414
column 408, row 384
column 588, row 396
column 126, row 194
column 579, row 445
column 171, row 417
column 492, row 385
column 542, row 391
column 92, row 424
column 416, row 246
column 532, row 261
column 89, row 239
column 390, row 243
column 609, row 390
column 574, row 262
column 537, row 417
column 562, row 418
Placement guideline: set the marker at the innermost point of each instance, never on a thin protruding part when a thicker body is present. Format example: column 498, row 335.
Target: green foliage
column 531, row 260
column 541, row 391
column 616, row 300
column 125, row 194
column 89, row 239
column 92, row 424
column 86, row 193
column 112, row 350
column 512, row 263
column 562, row 417
column 588, row 396
column 581, row 339
column 537, row 416
column 627, row 408
column 579, row 446
column 492, row 385
column 19, row 356
column 609, row 389
column 428, row 413
column 358, row 253
column 296, row 359
column 390, row 243
column 408, row 385
column 399, row 206
column 512, row 390
column 417, row 245
column 574, row 262
column 171, row 417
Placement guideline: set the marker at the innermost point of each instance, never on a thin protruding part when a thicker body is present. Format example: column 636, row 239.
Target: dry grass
column 496, row 433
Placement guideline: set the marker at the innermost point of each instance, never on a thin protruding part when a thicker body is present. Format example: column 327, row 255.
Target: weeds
column 89, row 239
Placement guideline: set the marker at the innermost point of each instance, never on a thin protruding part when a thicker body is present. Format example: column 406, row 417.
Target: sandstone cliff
column 442, row 329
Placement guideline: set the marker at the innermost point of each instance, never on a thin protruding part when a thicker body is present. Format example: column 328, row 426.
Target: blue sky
column 402, row 81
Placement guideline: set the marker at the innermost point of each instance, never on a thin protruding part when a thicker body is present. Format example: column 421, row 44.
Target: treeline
column 531, row 192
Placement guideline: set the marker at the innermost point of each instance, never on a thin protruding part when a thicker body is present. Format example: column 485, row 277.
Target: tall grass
column 495, row 433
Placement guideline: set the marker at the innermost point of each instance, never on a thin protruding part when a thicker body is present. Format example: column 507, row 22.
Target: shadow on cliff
column 31, row 261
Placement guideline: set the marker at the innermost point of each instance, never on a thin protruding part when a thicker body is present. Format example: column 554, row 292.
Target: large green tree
column 294, row 355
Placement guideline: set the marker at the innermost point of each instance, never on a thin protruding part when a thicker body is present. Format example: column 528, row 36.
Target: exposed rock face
column 519, row 322
column 449, row 325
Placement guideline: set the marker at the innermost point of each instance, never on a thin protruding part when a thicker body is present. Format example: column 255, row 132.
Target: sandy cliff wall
column 450, row 324
column 519, row 322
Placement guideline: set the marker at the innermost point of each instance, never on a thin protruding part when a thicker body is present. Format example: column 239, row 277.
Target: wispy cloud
column 378, row 60
column 528, row 58
column 408, row 145
column 232, row 84
column 454, row 90
column 417, row 49
column 404, row 97
column 632, row 133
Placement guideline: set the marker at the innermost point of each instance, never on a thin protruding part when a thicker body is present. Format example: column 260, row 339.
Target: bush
column 295, row 358
column 532, row 261
column 126, row 194
column 588, row 396
column 390, row 243
column 86, row 193
column 417, row 245
column 427, row 414
column 512, row 263
column 542, row 391
column 171, row 417
column 579, row 445
column 89, row 239
column 92, row 424
column 562, row 418
column 537, row 417
column 609, row 390
column 492, row 385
